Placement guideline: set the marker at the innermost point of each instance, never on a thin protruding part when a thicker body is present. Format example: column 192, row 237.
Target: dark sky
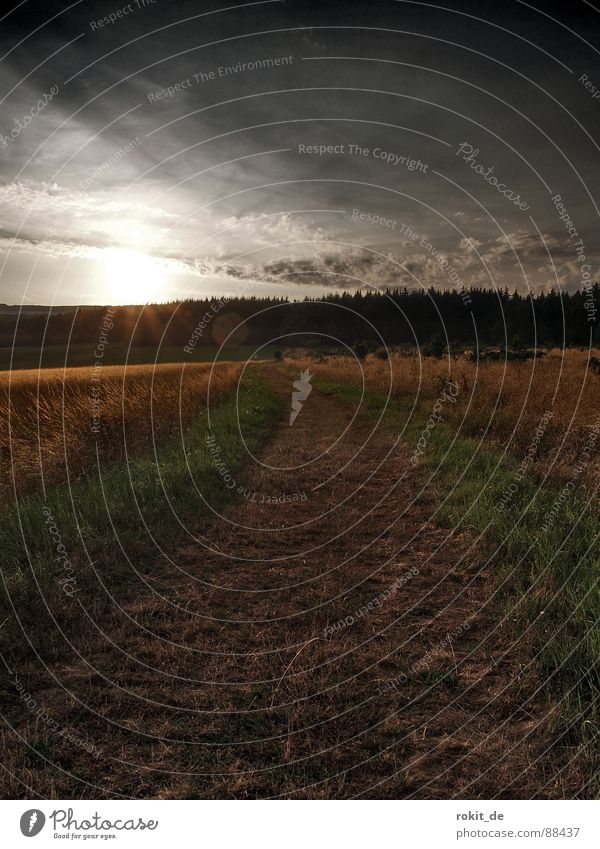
column 112, row 189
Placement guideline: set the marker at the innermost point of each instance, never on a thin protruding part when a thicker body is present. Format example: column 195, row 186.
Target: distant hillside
column 32, row 309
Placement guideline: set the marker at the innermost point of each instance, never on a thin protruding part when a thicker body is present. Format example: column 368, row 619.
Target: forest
column 475, row 318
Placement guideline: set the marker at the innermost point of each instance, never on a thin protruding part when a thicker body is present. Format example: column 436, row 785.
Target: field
column 71, row 356
column 395, row 596
column 502, row 404
column 49, row 419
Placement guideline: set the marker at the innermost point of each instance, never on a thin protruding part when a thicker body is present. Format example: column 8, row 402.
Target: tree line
column 475, row 317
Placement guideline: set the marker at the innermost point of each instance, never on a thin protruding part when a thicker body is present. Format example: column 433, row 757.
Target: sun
column 131, row 277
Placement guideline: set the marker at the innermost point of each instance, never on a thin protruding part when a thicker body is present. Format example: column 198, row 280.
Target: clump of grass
column 39, row 750
column 433, row 677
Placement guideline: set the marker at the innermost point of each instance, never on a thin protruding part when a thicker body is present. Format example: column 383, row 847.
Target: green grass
column 435, row 677
column 96, row 508
column 57, row 356
column 550, row 576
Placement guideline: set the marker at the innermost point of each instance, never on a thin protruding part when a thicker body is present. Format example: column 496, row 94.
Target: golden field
column 503, row 403
column 47, row 417
column 56, row 423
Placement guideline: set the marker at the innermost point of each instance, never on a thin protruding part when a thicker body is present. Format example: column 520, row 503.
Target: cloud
column 50, row 198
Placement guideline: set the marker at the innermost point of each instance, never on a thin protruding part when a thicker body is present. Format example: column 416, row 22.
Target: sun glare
column 131, row 277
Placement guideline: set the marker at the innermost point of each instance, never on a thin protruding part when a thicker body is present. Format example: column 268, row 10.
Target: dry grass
column 47, row 416
column 502, row 402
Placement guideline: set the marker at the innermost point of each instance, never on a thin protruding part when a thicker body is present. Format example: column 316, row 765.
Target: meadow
column 74, row 355
column 57, row 424
column 502, row 404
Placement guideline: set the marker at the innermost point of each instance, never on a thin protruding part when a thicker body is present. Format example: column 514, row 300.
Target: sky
column 160, row 150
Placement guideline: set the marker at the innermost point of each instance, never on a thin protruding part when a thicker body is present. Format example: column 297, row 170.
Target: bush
column 595, row 365
column 435, row 347
column 361, row 349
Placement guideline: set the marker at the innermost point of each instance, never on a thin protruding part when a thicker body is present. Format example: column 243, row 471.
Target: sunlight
column 131, row 277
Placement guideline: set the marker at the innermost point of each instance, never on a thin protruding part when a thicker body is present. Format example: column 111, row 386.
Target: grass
column 433, row 677
column 61, row 356
column 119, row 499
column 502, row 402
column 56, row 424
column 549, row 577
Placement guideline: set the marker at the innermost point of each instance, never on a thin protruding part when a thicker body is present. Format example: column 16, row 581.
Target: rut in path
column 302, row 650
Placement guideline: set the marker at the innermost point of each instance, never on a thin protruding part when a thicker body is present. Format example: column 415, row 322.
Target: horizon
column 312, row 295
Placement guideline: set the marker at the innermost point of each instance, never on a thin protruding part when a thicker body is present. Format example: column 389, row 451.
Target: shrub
column 361, row 349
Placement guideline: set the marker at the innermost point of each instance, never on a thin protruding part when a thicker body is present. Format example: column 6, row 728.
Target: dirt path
column 303, row 649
